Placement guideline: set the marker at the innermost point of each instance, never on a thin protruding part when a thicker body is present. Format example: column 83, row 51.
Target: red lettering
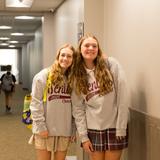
column 63, row 90
column 92, row 86
column 57, row 89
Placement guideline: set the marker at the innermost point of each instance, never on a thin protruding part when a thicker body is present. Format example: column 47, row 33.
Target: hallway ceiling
column 28, row 27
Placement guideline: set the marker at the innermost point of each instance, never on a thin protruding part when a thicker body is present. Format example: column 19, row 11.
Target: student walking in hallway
column 8, row 87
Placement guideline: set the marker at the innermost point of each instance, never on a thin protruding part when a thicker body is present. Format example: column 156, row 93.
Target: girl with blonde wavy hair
column 53, row 125
column 100, row 105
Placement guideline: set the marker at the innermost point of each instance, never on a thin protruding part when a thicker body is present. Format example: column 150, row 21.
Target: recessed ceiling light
column 4, row 44
column 24, row 17
column 11, row 46
column 4, row 38
column 17, row 34
column 5, row 27
column 19, row 3
column 13, row 42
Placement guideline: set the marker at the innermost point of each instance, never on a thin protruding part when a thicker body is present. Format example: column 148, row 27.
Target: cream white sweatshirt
column 92, row 111
column 56, row 114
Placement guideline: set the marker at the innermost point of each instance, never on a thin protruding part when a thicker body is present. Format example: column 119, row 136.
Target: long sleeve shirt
column 55, row 115
column 93, row 111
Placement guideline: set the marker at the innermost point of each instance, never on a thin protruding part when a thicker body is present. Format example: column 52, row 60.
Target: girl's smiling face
column 65, row 58
column 89, row 49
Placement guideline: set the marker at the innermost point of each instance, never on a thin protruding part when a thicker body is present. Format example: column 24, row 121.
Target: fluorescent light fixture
column 24, row 17
column 17, row 34
column 19, row 3
column 11, row 46
column 4, row 38
column 4, row 44
column 5, row 27
column 13, row 42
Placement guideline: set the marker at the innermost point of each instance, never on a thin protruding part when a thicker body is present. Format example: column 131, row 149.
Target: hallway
column 127, row 30
column 14, row 135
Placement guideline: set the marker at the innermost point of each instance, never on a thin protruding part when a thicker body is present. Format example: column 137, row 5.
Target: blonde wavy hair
column 102, row 74
column 56, row 74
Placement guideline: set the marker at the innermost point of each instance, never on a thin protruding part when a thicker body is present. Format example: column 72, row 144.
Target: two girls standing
column 99, row 105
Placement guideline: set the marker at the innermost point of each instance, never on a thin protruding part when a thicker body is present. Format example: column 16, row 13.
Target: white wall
column 36, row 53
column 132, row 35
column 32, row 59
column 66, row 20
column 93, row 18
column 48, row 39
column 25, row 67
column 60, row 28
column 20, row 65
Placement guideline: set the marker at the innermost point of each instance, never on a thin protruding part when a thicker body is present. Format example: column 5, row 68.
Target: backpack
column 26, row 114
column 7, row 82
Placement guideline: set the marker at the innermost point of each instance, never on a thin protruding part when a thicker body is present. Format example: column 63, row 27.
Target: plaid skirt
column 106, row 140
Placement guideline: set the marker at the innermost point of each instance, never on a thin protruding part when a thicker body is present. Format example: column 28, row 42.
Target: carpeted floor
column 13, row 134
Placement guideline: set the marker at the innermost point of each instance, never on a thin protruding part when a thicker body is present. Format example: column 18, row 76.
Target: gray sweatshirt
column 55, row 115
column 92, row 111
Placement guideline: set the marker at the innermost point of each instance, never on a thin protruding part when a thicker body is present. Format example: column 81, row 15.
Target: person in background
column 8, row 87
column 53, row 124
column 100, row 103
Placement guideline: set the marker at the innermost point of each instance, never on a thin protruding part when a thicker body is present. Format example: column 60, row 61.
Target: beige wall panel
column 94, row 18
column 144, row 137
column 132, row 35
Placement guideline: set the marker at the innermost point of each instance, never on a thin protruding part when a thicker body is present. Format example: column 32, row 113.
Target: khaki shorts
column 55, row 143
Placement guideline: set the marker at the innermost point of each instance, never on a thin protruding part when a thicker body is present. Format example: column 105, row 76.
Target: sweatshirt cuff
column 39, row 128
column 120, row 132
column 84, row 138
